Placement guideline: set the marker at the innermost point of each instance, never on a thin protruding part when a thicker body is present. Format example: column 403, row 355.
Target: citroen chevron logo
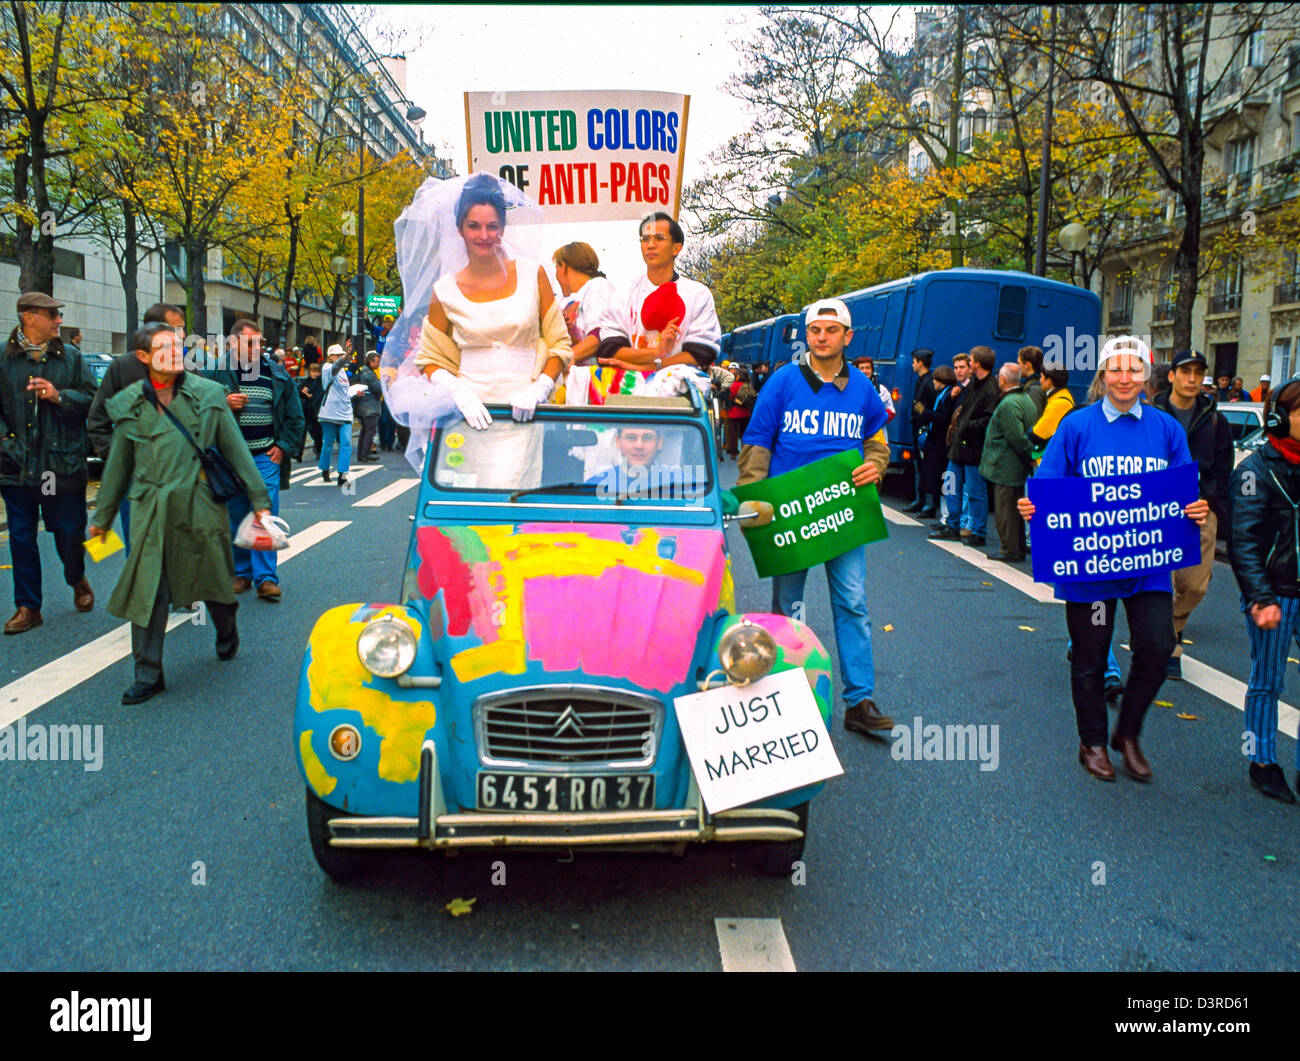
column 569, row 721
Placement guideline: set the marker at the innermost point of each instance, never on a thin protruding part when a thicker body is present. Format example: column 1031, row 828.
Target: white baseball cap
column 1125, row 344
column 828, row 309
column 335, row 351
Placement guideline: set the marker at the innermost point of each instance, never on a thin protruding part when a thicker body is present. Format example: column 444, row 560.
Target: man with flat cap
column 45, row 394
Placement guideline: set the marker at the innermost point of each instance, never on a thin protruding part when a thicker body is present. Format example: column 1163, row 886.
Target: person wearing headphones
column 1265, row 543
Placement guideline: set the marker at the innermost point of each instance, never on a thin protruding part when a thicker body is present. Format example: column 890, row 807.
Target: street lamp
column 1073, row 238
column 339, row 267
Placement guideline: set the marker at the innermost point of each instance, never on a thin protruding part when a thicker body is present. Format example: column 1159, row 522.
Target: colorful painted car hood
column 607, row 600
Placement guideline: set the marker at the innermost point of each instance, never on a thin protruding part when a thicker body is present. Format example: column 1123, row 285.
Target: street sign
column 369, row 286
column 384, row 304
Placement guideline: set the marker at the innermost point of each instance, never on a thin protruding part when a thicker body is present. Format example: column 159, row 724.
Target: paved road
column 910, row 865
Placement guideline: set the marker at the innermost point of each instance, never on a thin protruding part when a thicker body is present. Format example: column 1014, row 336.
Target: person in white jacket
column 335, row 414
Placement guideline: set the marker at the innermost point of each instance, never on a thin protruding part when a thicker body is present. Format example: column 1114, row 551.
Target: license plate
column 559, row 792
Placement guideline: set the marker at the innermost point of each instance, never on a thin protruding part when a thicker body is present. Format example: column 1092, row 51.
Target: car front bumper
column 436, row 829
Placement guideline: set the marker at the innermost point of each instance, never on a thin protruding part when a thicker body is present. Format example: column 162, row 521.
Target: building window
column 1241, row 156
column 1282, row 357
column 1121, row 300
column 1252, row 52
column 1288, row 290
column 1227, row 288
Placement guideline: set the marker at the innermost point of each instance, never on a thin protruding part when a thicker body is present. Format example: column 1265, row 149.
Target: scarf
column 1288, row 447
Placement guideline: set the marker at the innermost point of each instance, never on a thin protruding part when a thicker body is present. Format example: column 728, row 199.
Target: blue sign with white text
column 1122, row 526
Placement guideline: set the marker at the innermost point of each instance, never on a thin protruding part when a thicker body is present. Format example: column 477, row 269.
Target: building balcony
column 1225, row 302
column 1120, row 317
column 1286, row 293
column 1163, row 311
column 1244, row 93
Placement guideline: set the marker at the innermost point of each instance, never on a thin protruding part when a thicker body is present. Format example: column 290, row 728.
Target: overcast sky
column 683, row 49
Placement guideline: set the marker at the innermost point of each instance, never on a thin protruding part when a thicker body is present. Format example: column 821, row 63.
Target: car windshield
column 609, row 459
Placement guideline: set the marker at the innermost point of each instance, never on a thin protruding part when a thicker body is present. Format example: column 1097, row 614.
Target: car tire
column 777, row 858
column 339, row 864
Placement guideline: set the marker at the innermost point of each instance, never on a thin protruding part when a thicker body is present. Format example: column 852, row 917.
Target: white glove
column 473, row 410
column 524, row 402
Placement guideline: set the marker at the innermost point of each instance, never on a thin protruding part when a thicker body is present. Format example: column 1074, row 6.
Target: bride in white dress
column 493, row 331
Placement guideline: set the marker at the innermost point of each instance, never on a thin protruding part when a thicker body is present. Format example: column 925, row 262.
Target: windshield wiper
column 548, row 487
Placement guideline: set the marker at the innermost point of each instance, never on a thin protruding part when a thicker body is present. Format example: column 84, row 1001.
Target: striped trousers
column 1268, row 654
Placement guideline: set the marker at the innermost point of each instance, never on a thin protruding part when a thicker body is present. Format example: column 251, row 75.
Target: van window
column 1011, row 313
column 790, row 332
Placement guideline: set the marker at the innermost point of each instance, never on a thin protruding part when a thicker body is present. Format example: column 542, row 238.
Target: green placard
column 384, row 304
column 818, row 515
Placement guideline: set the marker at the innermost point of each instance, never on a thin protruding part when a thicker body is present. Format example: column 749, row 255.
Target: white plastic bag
column 265, row 537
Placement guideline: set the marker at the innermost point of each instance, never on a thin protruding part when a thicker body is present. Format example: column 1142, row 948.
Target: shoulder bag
column 222, row 480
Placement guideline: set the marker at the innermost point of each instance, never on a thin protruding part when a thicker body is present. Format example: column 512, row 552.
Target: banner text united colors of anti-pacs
column 583, row 155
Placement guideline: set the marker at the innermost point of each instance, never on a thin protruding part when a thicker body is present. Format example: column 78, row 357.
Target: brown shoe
column 241, row 584
column 83, row 596
column 1097, row 762
column 24, row 619
column 865, row 717
column 1134, row 761
column 269, row 591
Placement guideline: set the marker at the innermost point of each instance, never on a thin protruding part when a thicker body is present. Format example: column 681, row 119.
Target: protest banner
column 583, row 155
column 381, row 304
column 819, row 514
column 748, row 742
column 1120, row 526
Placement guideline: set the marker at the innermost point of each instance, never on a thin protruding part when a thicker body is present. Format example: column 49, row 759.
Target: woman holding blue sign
column 1265, row 544
column 1116, row 437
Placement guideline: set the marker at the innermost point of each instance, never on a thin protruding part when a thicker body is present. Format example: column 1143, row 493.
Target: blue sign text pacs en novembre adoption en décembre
column 1123, row 526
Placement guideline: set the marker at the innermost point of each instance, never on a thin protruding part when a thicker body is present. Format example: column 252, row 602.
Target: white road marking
column 353, row 475
column 382, row 497
column 1219, row 685
column 901, row 518
column 24, row 695
column 753, row 945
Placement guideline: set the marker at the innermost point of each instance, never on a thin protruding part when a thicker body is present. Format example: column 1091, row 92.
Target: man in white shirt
column 665, row 318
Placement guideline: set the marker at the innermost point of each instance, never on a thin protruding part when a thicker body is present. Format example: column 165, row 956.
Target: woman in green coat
column 180, row 552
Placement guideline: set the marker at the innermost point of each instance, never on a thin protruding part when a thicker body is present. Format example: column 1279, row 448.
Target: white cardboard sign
column 749, row 742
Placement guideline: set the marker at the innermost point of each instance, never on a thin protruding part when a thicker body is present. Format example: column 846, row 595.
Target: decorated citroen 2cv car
column 567, row 579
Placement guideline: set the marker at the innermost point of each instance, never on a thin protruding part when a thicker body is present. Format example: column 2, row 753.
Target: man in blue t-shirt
column 1087, row 444
column 806, row 412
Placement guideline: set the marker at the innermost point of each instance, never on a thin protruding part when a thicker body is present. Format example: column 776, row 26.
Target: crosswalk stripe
column 753, row 945
column 353, row 475
column 382, row 497
column 1206, row 678
column 26, row 694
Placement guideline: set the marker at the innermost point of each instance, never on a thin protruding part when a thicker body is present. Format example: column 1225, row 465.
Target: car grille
column 564, row 730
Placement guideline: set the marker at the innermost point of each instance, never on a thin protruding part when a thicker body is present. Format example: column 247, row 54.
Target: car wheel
column 777, row 858
column 339, row 863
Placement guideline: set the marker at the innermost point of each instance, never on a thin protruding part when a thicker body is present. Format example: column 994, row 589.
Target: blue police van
column 947, row 311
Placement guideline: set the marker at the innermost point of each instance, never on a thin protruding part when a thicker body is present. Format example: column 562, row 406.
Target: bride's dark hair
column 481, row 189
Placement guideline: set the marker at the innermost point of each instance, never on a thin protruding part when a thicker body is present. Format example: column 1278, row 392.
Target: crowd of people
column 190, row 454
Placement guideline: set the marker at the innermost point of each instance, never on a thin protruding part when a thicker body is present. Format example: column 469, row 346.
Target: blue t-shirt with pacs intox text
column 801, row 422
column 1089, row 445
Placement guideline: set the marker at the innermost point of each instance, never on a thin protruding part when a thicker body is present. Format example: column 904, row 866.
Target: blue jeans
column 968, row 496
column 64, row 512
column 330, row 433
column 1268, row 650
column 387, row 428
column 256, row 564
column 847, row 576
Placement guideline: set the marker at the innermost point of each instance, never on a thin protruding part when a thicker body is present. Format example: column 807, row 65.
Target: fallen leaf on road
column 460, row 907
column 986, row 583
column 1290, row 660
column 1029, row 628
column 1186, row 642
column 1190, row 718
column 887, row 627
column 1163, row 703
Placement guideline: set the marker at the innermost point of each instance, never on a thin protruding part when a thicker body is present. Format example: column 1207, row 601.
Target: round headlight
column 747, row 652
column 387, row 646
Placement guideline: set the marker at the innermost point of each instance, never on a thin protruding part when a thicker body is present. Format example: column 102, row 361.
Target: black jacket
column 1266, row 526
column 1210, row 440
column 124, row 371
column 37, row 436
column 922, row 404
column 311, row 402
column 367, row 402
column 971, row 420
